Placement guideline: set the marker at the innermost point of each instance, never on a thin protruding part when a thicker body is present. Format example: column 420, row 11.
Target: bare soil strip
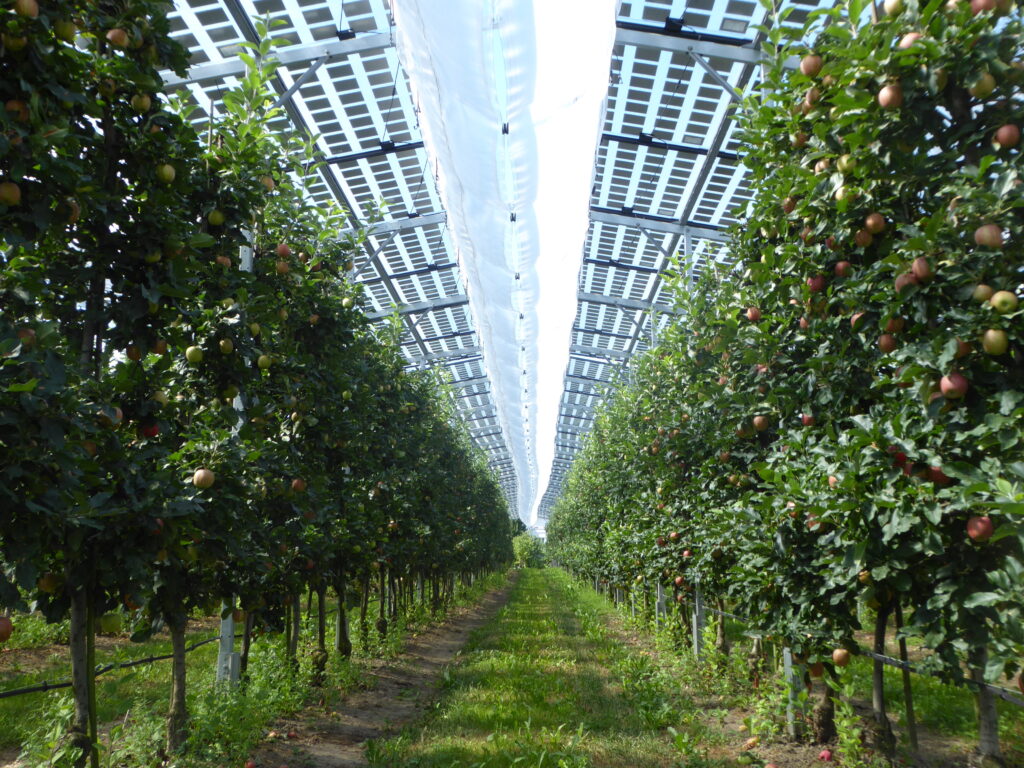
column 396, row 694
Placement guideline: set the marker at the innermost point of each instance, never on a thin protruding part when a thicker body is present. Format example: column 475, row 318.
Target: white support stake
column 228, row 660
column 659, row 607
column 789, row 671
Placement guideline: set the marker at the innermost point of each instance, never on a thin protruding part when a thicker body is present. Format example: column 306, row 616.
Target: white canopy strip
column 517, row 200
column 471, row 71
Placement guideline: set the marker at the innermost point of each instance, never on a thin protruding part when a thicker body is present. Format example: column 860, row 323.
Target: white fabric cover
column 540, row 66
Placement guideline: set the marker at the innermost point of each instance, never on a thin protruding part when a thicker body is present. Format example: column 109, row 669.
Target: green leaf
column 978, row 599
column 27, row 386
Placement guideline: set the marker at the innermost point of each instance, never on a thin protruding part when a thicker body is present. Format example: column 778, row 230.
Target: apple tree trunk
column 382, row 622
column 988, row 716
column 243, row 663
column 177, row 715
column 293, row 640
column 82, row 679
column 884, row 741
column 825, row 711
column 364, row 608
column 342, row 641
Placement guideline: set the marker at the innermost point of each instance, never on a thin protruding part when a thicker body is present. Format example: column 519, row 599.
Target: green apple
column 216, row 217
column 1003, row 302
column 254, row 329
column 995, row 341
column 226, row 346
column 194, row 355
column 263, row 361
column 165, row 173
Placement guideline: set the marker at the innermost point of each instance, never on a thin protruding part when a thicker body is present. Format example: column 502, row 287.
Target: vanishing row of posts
column 791, row 669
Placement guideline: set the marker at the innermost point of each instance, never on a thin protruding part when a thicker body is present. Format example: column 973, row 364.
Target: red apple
column 954, row 386
column 811, row 64
column 862, row 238
column 909, row 39
column 937, row 476
column 283, row 251
column 887, row 343
column 761, row 423
column 816, row 283
column 980, row 528
column 152, row 430
column 857, row 320
column 789, row 205
column 904, row 281
column 687, row 553
column 963, row 349
column 753, row 314
column 117, row 37
column 891, row 96
column 921, row 268
column 6, row 628
column 989, row 236
column 843, row 269
column 840, row 657
column 807, row 419
column 826, row 754
column 298, row 485
column 1007, row 136
column 874, row 223
column 894, row 325
column 899, row 458
column 679, row 581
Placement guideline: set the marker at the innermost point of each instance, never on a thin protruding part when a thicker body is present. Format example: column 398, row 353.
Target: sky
column 518, row 199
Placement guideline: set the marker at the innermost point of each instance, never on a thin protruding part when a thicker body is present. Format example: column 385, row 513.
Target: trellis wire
column 1003, row 693
column 45, row 686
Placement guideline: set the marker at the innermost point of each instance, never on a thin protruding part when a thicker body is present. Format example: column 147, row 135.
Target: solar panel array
column 341, row 80
column 667, row 179
column 667, row 183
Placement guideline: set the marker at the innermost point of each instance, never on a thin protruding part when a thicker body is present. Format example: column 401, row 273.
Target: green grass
column 545, row 683
column 940, row 707
column 225, row 724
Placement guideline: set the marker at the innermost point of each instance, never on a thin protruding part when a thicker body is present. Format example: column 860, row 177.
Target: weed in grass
column 849, row 727
column 33, row 631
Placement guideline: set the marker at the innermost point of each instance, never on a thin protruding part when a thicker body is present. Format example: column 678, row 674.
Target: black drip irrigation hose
column 45, row 686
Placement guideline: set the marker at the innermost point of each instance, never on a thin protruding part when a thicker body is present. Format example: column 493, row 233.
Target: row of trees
column 193, row 407
column 837, row 419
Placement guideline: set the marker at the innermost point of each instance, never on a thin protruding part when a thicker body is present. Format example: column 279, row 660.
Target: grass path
column 542, row 684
